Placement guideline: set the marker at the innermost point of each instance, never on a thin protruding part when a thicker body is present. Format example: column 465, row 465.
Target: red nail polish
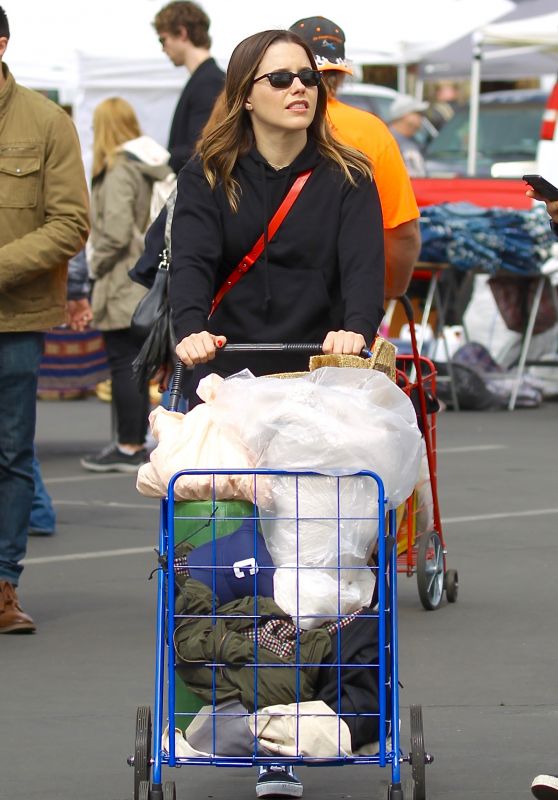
column 219, row 343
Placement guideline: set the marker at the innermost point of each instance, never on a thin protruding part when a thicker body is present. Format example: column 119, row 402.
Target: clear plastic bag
column 335, row 420
column 313, row 597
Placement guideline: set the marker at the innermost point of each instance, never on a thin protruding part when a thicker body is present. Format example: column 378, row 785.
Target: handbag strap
column 250, row 258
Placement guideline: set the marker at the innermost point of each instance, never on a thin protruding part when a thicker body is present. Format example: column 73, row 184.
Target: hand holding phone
column 542, row 187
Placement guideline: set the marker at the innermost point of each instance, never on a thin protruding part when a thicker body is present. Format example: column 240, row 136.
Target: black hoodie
column 322, row 271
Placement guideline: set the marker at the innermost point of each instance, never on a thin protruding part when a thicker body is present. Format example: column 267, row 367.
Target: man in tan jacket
column 43, row 223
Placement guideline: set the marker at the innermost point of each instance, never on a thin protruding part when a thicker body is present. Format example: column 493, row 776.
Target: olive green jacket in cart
column 44, row 207
column 199, row 644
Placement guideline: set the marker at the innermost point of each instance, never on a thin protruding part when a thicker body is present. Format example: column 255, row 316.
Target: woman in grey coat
column 125, row 166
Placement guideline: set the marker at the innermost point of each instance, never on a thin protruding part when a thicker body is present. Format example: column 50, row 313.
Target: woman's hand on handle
column 346, row 342
column 198, row 348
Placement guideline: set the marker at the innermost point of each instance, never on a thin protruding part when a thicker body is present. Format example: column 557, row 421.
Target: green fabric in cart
column 195, row 521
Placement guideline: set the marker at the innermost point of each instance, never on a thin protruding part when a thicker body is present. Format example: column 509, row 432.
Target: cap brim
column 336, row 67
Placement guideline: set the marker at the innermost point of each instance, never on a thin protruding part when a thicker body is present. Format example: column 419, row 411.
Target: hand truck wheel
column 395, row 792
column 418, row 755
column 169, row 791
column 430, row 570
column 142, row 751
column 451, row 583
column 409, row 790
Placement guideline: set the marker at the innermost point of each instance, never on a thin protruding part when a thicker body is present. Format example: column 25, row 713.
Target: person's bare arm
column 402, row 248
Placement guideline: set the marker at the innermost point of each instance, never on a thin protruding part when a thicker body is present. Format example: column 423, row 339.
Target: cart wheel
column 142, row 753
column 169, row 791
column 418, row 756
column 143, row 790
column 451, row 582
column 395, row 792
column 430, row 570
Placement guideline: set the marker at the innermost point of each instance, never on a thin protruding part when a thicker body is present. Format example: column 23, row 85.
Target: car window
column 382, row 106
column 364, row 101
column 507, row 132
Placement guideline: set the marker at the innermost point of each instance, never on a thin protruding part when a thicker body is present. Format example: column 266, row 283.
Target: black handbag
column 154, row 303
column 152, row 320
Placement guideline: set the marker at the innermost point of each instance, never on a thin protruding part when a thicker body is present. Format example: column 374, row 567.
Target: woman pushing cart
column 276, row 236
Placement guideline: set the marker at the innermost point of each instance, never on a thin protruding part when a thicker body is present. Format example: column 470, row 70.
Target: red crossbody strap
column 250, row 258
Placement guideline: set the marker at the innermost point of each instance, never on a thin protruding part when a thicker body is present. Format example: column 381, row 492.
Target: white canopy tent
column 519, row 38
column 91, row 52
column 507, row 63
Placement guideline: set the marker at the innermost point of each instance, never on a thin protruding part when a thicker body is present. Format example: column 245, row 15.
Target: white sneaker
column 545, row 787
column 278, row 781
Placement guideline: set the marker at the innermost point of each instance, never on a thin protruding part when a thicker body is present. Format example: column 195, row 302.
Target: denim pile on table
column 486, row 239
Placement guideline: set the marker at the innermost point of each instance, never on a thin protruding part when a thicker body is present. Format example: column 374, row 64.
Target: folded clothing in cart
column 223, row 634
column 336, row 664
column 293, row 729
column 352, row 690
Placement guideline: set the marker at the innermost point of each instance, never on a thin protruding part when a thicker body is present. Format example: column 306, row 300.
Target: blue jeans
column 42, row 517
column 20, row 357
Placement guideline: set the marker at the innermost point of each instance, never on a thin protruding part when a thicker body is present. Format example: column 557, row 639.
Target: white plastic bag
column 313, row 597
column 196, row 441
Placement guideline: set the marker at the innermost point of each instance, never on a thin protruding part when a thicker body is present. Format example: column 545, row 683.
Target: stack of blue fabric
column 486, row 239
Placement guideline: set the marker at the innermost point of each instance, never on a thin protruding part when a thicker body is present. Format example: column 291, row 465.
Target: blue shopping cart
column 241, row 683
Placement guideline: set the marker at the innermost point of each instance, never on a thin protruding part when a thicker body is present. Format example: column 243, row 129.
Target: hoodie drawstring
column 267, row 282
column 266, row 220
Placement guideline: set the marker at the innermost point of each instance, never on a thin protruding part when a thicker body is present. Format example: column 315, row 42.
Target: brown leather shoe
column 12, row 617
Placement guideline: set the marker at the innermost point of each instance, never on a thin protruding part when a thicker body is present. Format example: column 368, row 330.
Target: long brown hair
column 114, row 122
column 233, row 136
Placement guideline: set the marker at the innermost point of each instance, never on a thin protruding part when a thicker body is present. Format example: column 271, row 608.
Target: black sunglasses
column 283, row 79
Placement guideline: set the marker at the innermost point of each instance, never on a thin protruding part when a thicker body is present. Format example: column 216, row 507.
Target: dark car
column 508, row 135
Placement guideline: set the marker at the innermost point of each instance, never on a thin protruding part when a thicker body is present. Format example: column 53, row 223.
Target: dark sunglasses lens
column 281, row 80
column 310, row 77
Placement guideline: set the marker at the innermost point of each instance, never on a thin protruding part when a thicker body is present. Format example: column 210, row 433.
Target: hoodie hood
column 253, row 163
column 152, row 157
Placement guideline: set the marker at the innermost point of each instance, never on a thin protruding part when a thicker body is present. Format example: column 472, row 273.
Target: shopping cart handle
column 282, row 347
column 271, row 347
column 175, row 386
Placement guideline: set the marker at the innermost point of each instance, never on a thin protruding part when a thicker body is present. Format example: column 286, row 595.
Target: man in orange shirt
column 370, row 135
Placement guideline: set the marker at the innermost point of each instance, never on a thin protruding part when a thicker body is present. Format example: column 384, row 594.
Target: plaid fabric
column 181, row 565
column 279, row 636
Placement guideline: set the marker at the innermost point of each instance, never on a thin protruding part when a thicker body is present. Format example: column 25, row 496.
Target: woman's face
column 288, row 110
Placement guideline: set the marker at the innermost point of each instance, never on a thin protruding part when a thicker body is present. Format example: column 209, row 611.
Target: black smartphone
column 542, row 186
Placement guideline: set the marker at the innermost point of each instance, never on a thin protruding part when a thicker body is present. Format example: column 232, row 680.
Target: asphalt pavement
column 484, row 669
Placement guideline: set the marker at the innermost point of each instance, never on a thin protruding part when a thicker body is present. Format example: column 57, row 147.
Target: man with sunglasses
column 183, row 30
column 368, row 134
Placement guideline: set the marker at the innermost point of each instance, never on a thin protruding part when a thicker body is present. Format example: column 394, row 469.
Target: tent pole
column 474, row 104
column 402, row 78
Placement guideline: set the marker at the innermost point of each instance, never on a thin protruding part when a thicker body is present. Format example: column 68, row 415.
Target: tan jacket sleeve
column 66, row 210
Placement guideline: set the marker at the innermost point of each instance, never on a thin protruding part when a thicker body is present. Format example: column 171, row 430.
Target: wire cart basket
column 244, row 684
